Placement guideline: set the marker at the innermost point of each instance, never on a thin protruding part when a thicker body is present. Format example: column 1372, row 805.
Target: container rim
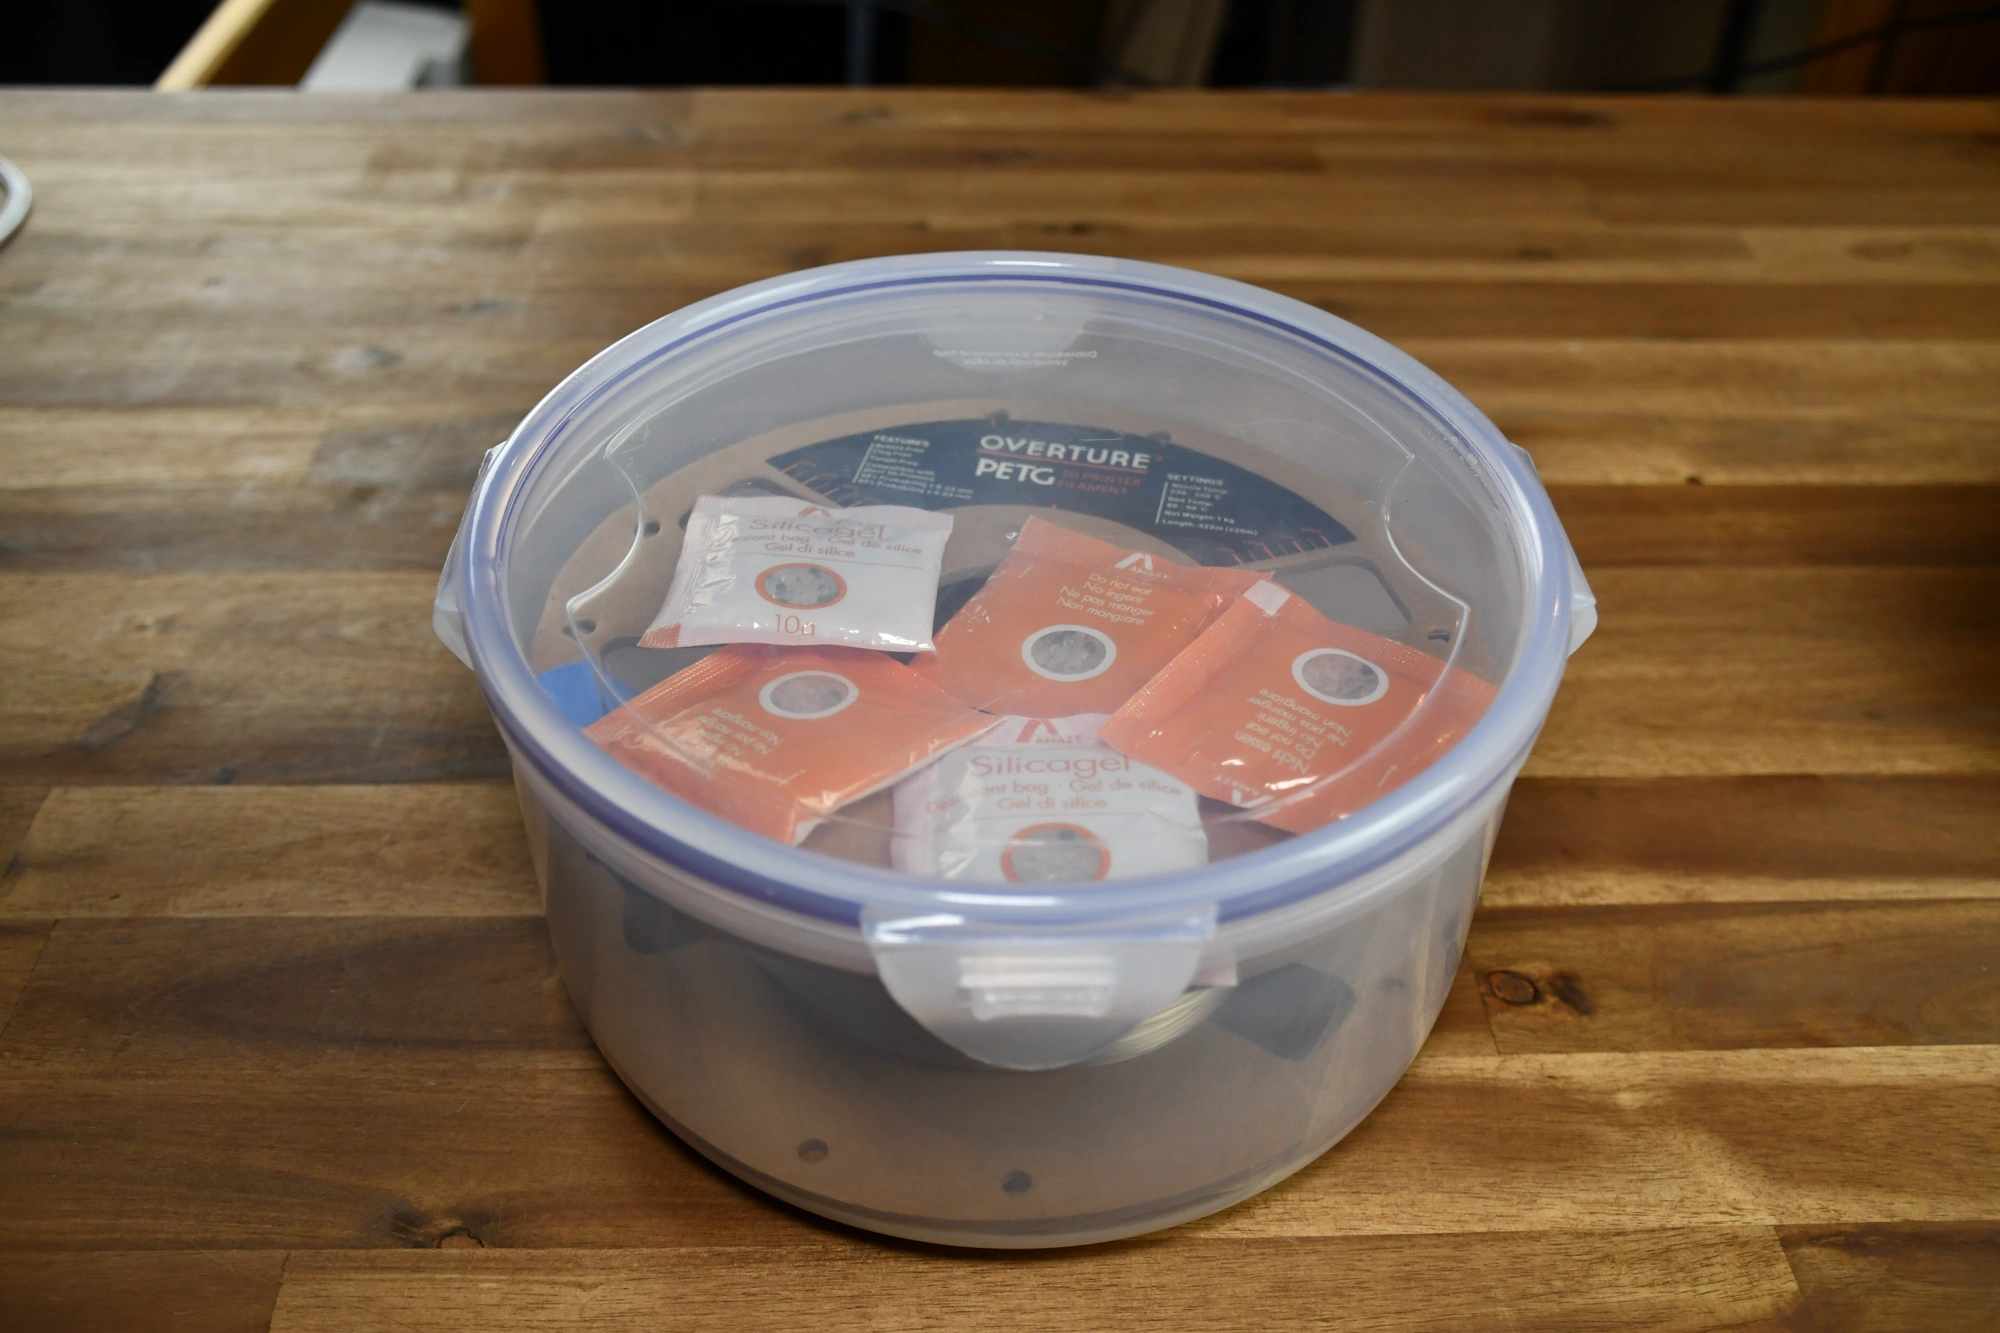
column 822, row 887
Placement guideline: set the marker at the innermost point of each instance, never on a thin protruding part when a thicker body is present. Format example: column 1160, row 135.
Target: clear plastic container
column 1012, row 1063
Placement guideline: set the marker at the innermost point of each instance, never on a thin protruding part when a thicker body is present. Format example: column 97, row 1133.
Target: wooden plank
column 1761, row 380
column 1911, row 256
column 1525, row 309
column 1593, row 413
column 1595, row 432
column 360, row 1149
column 1679, row 1280
column 356, row 521
column 1785, row 838
column 222, row 219
column 1592, row 437
column 1781, row 525
column 462, row 279
column 335, row 677
column 1726, row 672
column 21, row 941
column 1901, row 257
column 517, row 1153
column 243, row 528
column 420, row 255
column 1677, row 1138
column 1702, row 976
column 247, row 1083
column 235, row 677
column 411, row 448
column 1889, row 1278
column 895, row 129
column 1641, row 164
column 1857, row 205
column 17, row 811
column 405, row 205
column 1518, row 279
column 1565, row 843
column 21, row 944
column 380, row 487
column 197, row 365
column 420, row 1066
column 408, row 850
column 1885, row 450
column 1627, row 146
column 1643, row 148
column 1545, row 123
column 1559, row 250
column 83, row 447
column 1462, row 1027
column 1773, row 411
column 1783, row 139
column 168, row 1290
column 144, row 993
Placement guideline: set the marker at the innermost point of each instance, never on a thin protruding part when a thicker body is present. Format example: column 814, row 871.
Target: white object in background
column 19, row 199
column 386, row 48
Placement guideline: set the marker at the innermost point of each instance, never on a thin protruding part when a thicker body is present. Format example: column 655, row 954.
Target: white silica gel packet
column 1042, row 801
column 767, row 569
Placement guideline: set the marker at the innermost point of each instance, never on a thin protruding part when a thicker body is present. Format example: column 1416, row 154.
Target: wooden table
column 283, row 1043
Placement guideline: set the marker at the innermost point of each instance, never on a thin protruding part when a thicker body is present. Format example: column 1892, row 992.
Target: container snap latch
column 1035, row 997
column 1582, row 601
column 447, row 614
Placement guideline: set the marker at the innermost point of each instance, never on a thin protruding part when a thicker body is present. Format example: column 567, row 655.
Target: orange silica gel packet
column 1068, row 624
column 1298, row 718
column 776, row 739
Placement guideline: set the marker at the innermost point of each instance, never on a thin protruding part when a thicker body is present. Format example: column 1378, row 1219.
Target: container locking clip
column 1035, row 996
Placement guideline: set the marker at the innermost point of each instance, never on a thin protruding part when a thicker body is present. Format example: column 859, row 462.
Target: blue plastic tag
column 581, row 696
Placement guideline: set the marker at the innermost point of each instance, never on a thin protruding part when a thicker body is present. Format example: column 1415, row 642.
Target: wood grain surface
column 281, row 1040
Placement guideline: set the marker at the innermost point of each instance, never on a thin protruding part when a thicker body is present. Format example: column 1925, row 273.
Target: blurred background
column 1752, row 47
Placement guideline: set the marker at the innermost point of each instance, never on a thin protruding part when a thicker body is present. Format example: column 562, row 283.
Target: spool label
column 1214, row 510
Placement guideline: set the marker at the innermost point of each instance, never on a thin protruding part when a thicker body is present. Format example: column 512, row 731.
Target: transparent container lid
column 1234, row 600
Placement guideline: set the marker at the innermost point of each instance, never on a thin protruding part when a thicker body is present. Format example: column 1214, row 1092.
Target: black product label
column 1216, row 512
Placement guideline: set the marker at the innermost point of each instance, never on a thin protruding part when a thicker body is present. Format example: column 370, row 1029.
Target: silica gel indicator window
column 767, row 569
column 1043, row 801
